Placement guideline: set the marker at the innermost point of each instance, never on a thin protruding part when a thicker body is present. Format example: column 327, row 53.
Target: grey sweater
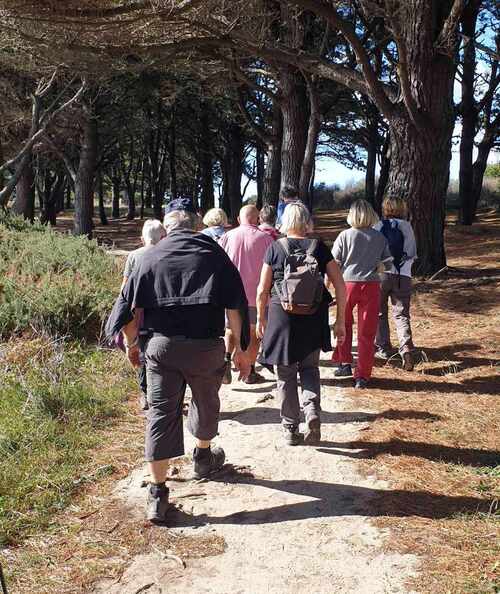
column 359, row 252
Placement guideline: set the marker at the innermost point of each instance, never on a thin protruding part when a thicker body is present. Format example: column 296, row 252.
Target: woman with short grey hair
column 290, row 341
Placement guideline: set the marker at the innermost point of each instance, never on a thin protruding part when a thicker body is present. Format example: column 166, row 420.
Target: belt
column 180, row 337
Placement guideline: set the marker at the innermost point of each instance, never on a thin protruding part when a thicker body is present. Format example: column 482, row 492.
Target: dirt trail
column 294, row 519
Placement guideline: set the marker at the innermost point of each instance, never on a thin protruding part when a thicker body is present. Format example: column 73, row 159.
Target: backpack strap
column 312, row 247
column 285, row 245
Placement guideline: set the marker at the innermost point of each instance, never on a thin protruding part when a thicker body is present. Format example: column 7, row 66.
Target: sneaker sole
column 312, row 435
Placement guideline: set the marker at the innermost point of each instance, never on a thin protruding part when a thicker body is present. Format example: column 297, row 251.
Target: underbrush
column 56, row 400
column 53, row 283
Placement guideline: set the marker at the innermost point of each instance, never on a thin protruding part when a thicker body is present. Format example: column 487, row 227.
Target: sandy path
column 294, row 519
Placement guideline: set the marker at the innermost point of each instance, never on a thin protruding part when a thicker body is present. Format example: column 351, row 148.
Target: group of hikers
column 196, row 302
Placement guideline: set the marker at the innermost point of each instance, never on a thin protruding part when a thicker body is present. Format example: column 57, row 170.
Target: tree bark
column 294, row 108
column 383, row 178
column 480, row 164
column 260, row 165
column 115, row 194
column 233, row 171
column 272, row 172
column 206, row 162
column 307, row 168
column 102, row 209
column 469, row 117
column 24, row 204
column 372, row 149
column 84, row 183
column 419, row 172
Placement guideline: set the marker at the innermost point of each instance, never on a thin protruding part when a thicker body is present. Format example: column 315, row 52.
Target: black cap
column 180, row 204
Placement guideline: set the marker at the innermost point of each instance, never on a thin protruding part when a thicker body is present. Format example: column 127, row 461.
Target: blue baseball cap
column 180, row 204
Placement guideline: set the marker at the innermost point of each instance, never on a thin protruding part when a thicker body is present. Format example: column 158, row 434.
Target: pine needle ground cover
column 435, row 435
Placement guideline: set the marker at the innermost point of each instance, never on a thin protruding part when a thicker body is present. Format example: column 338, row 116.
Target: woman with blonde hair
column 396, row 283
column 215, row 221
column 291, row 342
column 360, row 252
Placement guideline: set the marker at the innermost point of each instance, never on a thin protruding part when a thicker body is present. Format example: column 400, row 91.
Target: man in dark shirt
column 184, row 286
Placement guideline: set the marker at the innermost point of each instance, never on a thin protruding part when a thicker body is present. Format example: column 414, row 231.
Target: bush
column 53, row 283
column 55, row 399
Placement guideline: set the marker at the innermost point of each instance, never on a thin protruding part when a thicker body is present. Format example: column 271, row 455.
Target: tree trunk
column 24, row 204
column 233, row 165
column 419, row 172
column 307, row 168
column 372, row 149
column 68, row 196
column 294, row 107
column 260, row 163
column 172, row 146
column 115, row 195
column 84, row 183
column 130, row 200
column 383, row 178
column 102, row 209
column 272, row 172
column 469, row 118
column 479, row 167
column 206, row 163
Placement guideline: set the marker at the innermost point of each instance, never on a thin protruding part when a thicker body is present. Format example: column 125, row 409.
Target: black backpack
column 395, row 239
column 301, row 290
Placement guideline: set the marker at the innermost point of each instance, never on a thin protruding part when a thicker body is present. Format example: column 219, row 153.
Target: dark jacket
column 185, row 268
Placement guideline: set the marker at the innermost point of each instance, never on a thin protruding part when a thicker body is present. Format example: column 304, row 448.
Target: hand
column 339, row 331
column 242, row 363
column 133, row 355
column 260, row 328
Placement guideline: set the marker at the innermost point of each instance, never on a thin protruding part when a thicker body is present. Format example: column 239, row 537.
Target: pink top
column 246, row 246
column 270, row 230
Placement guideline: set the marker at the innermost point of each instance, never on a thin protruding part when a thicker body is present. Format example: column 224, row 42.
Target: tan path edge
column 294, row 520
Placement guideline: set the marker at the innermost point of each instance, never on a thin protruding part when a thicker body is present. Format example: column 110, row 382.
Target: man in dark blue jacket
column 184, row 287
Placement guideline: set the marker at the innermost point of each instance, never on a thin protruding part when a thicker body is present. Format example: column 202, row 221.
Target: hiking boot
column 343, row 370
column 408, row 363
column 227, row 378
column 143, row 402
column 312, row 434
column 207, row 460
column 254, row 377
column 292, row 435
column 361, row 383
column 157, row 503
column 383, row 354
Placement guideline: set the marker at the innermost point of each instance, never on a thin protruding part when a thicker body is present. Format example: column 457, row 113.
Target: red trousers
column 366, row 296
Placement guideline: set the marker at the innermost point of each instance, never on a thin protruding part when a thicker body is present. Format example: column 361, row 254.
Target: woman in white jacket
column 396, row 283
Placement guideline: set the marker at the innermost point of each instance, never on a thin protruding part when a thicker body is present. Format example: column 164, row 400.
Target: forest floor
column 401, row 495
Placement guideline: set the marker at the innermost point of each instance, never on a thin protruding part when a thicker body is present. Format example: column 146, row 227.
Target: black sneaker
column 312, row 433
column 361, row 383
column 292, row 435
column 384, row 354
column 227, row 378
column 408, row 363
column 207, row 460
column 157, row 504
column 343, row 371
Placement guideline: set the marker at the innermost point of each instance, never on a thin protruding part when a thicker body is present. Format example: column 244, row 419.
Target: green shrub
column 53, row 283
column 55, row 399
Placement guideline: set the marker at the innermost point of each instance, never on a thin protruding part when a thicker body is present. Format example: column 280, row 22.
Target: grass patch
column 55, row 400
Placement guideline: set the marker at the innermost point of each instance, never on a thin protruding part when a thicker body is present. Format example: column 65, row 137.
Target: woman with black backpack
column 396, row 283
column 297, row 327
